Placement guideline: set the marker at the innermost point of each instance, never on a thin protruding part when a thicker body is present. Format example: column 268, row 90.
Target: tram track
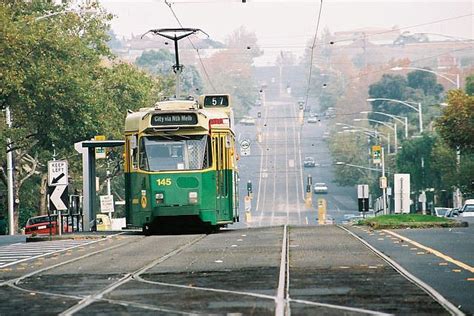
column 290, row 273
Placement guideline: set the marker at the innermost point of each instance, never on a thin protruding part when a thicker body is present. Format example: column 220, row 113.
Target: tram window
column 142, row 154
column 174, row 152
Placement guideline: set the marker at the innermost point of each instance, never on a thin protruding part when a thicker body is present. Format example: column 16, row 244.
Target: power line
column 197, row 50
column 312, row 50
column 405, row 27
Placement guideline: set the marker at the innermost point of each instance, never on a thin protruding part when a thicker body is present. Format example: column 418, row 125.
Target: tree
column 470, row 85
column 389, row 87
column 425, row 81
column 456, row 125
column 58, row 86
column 160, row 63
column 415, row 158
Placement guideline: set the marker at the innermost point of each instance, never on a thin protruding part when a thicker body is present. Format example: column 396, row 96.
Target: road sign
column 58, row 198
column 107, row 203
column 401, row 190
column 100, row 151
column 57, row 172
column 377, row 154
column 245, row 144
column 363, row 191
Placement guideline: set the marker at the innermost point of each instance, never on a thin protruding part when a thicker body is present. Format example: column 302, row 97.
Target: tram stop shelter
column 87, row 149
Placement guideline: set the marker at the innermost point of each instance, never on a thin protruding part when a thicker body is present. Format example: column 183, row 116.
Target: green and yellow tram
column 180, row 165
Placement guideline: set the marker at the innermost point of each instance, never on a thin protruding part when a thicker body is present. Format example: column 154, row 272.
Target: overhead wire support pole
column 177, row 68
column 10, row 194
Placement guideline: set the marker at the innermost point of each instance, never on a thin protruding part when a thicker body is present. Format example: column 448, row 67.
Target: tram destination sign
column 164, row 119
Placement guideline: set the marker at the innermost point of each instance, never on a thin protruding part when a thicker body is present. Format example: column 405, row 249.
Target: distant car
column 258, row 102
column 320, row 188
column 247, row 120
column 467, row 209
column 309, row 162
column 313, row 119
column 441, row 211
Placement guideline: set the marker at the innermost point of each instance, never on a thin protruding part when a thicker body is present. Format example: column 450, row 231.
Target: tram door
column 223, row 172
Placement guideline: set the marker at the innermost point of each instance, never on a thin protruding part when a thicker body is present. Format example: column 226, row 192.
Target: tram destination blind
column 164, row 119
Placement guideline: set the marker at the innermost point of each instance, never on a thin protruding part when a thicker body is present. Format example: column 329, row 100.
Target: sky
column 291, row 24
column 277, row 21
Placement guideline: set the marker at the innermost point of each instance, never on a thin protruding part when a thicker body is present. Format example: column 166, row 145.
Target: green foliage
column 348, row 148
column 456, row 125
column 470, row 85
column 415, row 158
column 425, row 81
column 60, row 88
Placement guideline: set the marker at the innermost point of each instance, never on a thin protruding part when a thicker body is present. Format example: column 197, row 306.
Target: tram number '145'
column 165, row 181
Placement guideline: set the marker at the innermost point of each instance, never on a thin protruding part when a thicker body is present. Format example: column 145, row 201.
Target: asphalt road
column 260, row 271
column 441, row 257
column 275, row 168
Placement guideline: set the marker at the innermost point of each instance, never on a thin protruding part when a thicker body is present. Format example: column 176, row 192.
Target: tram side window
column 133, row 152
column 143, row 157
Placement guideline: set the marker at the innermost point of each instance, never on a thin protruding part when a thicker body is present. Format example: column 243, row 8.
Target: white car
column 468, row 209
column 247, row 120
column 320, row 188
column 441, row 211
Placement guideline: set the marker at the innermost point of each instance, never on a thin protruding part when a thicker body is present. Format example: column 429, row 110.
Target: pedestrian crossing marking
column 18, row 253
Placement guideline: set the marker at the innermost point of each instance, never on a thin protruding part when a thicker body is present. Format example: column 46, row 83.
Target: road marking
column 456, row 270
column 443, row 263
column 470, row 279
column 435, row 252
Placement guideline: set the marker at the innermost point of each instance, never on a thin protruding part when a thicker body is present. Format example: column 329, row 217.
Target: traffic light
column 249, row 187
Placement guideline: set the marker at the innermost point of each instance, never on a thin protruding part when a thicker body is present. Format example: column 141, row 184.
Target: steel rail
column 88, row 300
column 453, row 310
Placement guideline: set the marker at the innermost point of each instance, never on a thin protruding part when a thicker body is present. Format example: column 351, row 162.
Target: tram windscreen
column 164, row 153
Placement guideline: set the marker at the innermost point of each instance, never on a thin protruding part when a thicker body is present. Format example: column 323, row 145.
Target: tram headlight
column 193, row 197
column 160, row 198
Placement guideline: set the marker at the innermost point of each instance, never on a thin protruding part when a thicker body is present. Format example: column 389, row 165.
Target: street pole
column 384, row 190
column 396, row 138
column 10, row 175
column 406, row 127
column 420, row 117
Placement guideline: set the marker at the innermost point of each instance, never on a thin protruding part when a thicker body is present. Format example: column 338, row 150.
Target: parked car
column 40, row 225
column 467, row 209
column 320, row 188
column 454, row 212
column 441, row 211
column 309, row 162
column 247, row 120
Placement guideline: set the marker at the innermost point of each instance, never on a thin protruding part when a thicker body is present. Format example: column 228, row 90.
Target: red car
column 40, row 225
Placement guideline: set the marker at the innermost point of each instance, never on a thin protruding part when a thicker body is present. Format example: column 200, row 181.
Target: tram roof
column 134, row 121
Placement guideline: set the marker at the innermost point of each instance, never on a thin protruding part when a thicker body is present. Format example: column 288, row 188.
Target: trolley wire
column 194, row 46
column 404, row 27
column 312, row 50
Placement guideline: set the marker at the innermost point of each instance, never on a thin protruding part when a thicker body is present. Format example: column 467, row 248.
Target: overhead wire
column 312, row 50
column 405, row 27
column 194, row 46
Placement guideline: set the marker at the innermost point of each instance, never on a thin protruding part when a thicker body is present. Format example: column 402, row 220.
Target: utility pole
column 177, row 68
column 10, row 175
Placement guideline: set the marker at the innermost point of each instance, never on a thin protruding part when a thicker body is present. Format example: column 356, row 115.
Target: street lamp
column 341, row 163
column 394, row 129
column 441, row 74
column 407, row 103
column 395, row 117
